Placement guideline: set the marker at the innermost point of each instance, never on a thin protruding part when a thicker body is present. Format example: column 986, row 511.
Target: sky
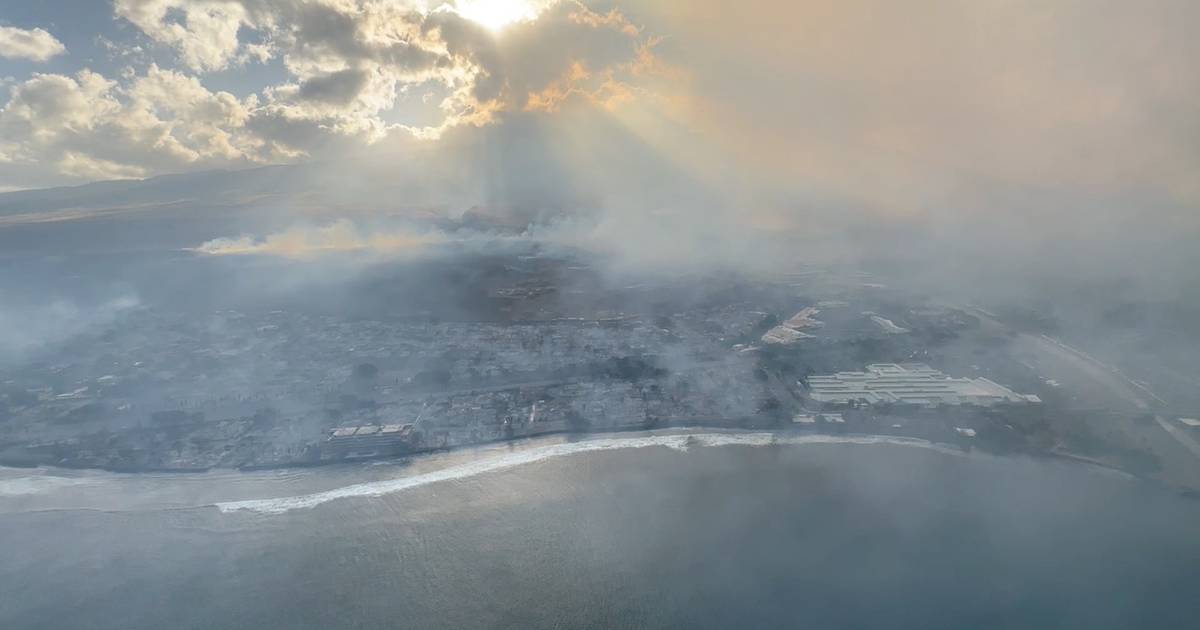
column 985, row 117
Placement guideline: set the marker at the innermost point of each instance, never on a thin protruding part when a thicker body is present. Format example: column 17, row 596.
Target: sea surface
column 701, row 530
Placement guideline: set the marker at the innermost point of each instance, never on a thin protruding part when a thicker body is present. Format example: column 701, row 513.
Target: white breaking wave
column 679, row 442
column 29, row 486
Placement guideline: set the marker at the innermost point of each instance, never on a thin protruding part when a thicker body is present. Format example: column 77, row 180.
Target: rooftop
column 911, row 383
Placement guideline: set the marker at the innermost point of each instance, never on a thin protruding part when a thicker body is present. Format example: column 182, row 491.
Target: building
column 785, row 336
column 888, row 326
column 792, row 330
column 370, row 440
column 911, row 383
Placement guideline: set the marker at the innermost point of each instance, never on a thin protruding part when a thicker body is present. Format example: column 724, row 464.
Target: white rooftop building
column 792, row 330
column 785, row 336
column 911, row 383
column 889, row 326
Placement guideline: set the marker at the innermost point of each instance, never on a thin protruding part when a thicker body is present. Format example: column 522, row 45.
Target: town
column 815, row 351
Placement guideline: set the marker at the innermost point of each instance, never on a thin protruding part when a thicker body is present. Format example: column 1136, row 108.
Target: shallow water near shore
column 707, row 530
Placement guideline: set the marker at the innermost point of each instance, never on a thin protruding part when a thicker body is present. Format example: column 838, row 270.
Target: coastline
column 715, row 427
column 779, row 436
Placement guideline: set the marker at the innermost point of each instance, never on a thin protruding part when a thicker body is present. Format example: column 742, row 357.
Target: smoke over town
column 355, row 262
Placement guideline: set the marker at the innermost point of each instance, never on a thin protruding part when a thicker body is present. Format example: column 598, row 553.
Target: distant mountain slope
column 166, row 189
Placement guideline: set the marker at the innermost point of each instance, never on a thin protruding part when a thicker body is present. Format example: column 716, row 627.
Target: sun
column 497, row 14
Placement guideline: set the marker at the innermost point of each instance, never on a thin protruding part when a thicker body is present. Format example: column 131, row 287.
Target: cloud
column 358, row 72
column 32, row 44
column 755, row 115
column 203, row 32
column 350, row 60
column 612, row 19
column 336, row 87
column 91, row 168
column 91, row 127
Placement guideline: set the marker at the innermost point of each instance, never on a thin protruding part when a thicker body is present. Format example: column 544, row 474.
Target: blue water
column 658, row 533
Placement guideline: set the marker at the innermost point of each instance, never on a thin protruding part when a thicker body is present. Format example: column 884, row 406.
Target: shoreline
column 356, row 481
column 682, row 440
column 682, row 430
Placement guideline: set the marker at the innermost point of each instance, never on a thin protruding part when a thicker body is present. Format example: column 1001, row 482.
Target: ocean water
column 664, row 531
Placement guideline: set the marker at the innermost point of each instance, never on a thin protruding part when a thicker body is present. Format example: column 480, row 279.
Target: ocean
column 708, row 530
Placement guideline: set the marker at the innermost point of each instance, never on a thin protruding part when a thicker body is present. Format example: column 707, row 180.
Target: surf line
column 678, row 442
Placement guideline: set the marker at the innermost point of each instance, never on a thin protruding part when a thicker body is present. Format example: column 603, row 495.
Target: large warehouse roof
column 912, row 383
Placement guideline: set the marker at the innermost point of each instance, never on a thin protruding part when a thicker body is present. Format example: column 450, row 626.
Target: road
column 1181, row 466
column 1180, row 436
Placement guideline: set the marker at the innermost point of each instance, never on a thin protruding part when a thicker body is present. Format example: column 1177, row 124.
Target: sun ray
column 495, row 15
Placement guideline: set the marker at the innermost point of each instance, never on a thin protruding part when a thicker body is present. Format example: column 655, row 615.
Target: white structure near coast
column 910, row 383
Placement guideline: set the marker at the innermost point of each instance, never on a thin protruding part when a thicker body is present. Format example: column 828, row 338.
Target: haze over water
column 763, row 254
column 681, row 535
